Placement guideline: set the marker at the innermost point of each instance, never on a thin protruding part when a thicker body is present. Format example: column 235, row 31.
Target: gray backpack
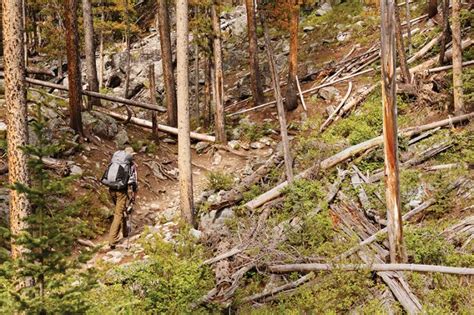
column 117, row 174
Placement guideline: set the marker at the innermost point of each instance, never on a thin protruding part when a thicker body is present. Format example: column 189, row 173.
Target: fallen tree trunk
column 425, row 49
column 350, row 152
column 374, row 267
column 148, row 124
column 95, row 94
column 444, row 68
column 336, row 111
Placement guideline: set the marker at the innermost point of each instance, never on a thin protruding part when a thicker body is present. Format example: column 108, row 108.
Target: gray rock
column 122, row 138
column 324, row 9
column 76, row 170
column 329, row 93
column 216, row 159
column 3, row 126
column 257, row 145
column 195, row 233
column 113, row 257
column 201, row 146
column 343, row 36
column 234, row 144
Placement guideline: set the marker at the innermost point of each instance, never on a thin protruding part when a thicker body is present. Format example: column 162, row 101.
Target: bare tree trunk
column 446, row 37
column 154, row 121
column 25, row 34
column 167, row 57
column 196, row 79
column 184, row 143
column 101, row 53
column 432, row 9
column 219, row 119
column 457, row 59
column 127, row 50
column 73, row 68
column 402, row 58
column 408, row 22
column 279, row 99
column 90, row 53
column 207, row 93
column 291, row 95
column 255, row 77
column 390, row 138
column 17, row 116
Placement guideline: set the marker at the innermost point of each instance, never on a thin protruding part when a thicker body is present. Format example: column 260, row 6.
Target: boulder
column 201, row 146
column 122, row 138
column 76, row 171
column 329, row 93
column 324, row 9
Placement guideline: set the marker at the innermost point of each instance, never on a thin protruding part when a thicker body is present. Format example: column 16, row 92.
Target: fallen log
column 444, row 68
column 147, row 124
column 350, row 152
column 301, row 94
column 448, row 56
column 425, row 49
column 95, row 94
column 372, row 267
column 336, row 111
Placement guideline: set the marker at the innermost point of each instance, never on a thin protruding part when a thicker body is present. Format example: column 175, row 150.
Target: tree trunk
column 279, row 99
column 154, row 121
column 432, row 9
column 73, row 68
column 446, row 37
column 207, row 93
column 291, row 102
column 184, row 143
column 219, row 119
column 101, row 52
column 255, row 77
column 402, row 58
column 196, row 79
column 17, row 116
column 25, row 34
column 390, row 133
column 457, row 59
column 167, row 57
column 408, row 23
column 91, row 67
column 127, row 50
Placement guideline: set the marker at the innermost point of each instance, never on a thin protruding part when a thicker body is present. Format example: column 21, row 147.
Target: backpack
column 117, row 174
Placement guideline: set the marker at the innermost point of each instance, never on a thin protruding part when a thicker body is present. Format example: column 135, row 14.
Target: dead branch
column 444, row 68
column 425, row 49
column 336, row 111
column 374, row 267
column 301, row 94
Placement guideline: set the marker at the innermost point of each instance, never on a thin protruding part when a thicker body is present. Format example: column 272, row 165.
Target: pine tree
column 58, row 281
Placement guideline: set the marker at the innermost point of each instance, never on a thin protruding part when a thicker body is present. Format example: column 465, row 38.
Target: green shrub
column 218, row 180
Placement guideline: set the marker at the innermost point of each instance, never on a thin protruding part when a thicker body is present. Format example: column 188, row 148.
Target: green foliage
column 58, row 279
column 426, row 246
column 218, row 180
column 253, row 132
column 168, row 281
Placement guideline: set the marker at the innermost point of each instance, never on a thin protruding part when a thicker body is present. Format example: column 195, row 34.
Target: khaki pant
column 120, row 199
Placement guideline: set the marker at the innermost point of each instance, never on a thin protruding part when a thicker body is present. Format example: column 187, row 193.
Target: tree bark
column 280, row 106
column 446, row 37
column 408, row 24
column 101, row 52
column 219, row 117
column 73, row 66
column 390, row 133
column 457, row 59
column 184, row 144
column 291, row 102
column 127, row 50
column 207, row 92
column 432, row 9
column 91, row 67
column 17, row 116
column 255, row 77
column 402, row 57
column 154, row 121
column 167, row 57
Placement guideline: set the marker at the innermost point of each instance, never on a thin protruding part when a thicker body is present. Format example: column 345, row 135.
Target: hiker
column 119, row 176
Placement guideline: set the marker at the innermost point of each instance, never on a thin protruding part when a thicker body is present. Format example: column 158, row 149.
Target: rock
column 360, row 24
column 308, row 28
column 324, row 9
column 195, row 233
column 343, row 36
column 114, row 81
column 76, row 170
column 201, row 146
column 122, row 138
column 214, row 221
column 236, row 133
column 257, row 145
column 169, row 214
column 266, row 141
column 234, row 144
column 329, row 93
column 216, row 159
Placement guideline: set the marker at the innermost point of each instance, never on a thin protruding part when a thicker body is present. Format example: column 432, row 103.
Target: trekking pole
column 129, row 211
